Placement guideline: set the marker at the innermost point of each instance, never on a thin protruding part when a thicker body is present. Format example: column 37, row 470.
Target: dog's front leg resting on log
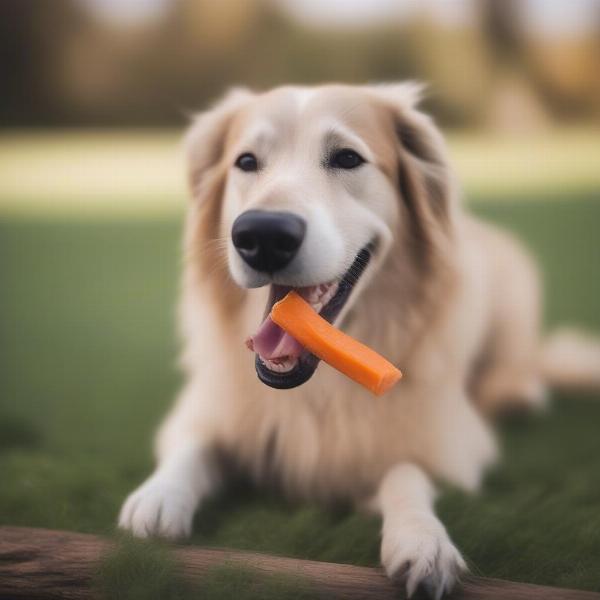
column 164, row 505
column 415, row 547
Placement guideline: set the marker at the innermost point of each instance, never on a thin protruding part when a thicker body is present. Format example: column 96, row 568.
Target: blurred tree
column 501, row 28
column 32, row 34
column 535, row 77
column 60, row 64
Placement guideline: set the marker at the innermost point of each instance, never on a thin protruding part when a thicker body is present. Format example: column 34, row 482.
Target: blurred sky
column 545, row 17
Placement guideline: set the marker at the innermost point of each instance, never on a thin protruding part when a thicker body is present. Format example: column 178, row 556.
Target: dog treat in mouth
column 355, row 360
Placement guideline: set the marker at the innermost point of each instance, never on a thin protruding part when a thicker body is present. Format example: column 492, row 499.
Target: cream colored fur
column 453, row 301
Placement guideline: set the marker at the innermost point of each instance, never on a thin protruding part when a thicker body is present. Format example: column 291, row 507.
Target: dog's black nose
column 267, row 241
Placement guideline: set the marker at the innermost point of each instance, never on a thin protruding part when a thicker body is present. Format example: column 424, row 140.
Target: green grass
column 86, row 372
column 141, row 570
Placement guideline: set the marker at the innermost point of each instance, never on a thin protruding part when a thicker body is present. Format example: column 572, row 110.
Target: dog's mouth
column 282, row 362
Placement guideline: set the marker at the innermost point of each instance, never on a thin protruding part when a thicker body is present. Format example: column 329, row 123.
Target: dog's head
column 309, row 189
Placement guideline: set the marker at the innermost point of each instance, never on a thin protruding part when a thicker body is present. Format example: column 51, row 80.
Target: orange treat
column 294, row 315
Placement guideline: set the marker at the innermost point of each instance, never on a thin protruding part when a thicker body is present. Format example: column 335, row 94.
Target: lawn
column 87, row 370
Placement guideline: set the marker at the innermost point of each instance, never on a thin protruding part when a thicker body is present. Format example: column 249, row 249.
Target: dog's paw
column 159, row 508
column 417, row 551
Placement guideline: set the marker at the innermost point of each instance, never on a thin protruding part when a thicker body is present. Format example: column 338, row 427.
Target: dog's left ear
column 424, row 177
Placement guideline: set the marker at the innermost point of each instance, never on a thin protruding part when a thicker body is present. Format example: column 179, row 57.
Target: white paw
column 159, row 507
column 417, row 550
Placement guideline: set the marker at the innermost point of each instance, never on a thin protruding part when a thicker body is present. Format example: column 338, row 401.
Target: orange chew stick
column 294, row 315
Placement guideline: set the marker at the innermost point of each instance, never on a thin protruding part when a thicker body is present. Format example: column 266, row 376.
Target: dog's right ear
column 206, row 139
column 205, row 146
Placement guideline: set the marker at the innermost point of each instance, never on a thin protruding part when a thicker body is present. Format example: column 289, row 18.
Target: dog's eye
column 247, row 162
column 346, row 159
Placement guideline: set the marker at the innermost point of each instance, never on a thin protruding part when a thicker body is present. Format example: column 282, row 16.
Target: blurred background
column 134, row 70
column 94, row 97
column 508, row 65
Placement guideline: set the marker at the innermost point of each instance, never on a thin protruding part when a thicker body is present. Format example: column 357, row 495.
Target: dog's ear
column 206, row 138
column 424, row 177
column 205, row 145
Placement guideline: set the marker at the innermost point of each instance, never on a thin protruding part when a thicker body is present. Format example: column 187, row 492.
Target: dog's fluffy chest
column 337, row 442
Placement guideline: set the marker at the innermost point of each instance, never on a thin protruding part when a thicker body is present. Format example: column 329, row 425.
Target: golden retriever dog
column 344, row 193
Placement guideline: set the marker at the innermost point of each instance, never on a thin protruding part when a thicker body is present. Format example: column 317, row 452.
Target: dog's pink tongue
column 272, row 342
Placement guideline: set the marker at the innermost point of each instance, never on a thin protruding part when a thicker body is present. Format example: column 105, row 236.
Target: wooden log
column 41, row 564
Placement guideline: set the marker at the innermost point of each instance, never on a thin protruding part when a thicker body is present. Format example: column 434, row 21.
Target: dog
column 345, row 194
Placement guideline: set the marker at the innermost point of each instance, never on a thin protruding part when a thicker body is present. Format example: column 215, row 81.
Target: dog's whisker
column 196, row 250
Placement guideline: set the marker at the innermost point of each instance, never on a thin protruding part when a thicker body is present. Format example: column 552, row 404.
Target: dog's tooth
column 286, row 364
column 319, row 295
column 313, row 295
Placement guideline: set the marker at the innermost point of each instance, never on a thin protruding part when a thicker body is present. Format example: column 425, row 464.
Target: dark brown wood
column 44, row 564
column 41, row 564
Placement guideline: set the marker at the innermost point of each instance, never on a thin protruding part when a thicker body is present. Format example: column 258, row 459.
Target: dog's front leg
column 164, row 505
column 415, row 547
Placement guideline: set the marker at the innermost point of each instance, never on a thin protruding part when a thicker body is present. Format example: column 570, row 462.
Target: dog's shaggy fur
column 454, row 302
